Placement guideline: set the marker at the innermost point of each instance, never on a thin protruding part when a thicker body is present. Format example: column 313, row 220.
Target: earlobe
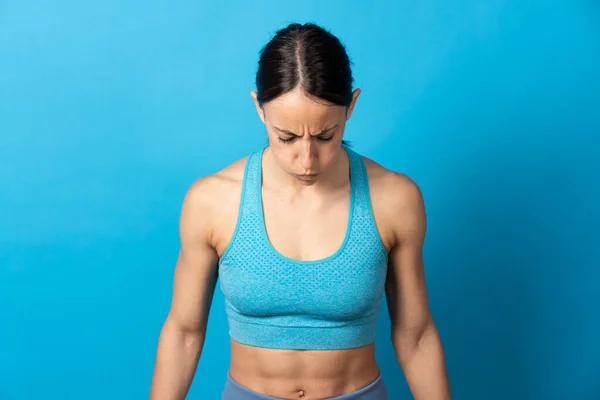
column 350, row 108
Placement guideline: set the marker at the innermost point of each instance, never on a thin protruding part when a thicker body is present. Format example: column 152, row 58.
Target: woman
column 306, row 236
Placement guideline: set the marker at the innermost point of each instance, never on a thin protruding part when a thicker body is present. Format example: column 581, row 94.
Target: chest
column 343, row 280
column 306, row 229
column 326, row 261
column 344, row 287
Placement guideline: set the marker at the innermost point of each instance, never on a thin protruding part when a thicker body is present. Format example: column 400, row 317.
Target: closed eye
column 322, row 139
column 319, row 136
column 289, row 140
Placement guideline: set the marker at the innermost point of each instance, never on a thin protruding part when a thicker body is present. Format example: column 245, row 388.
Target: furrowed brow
column 286, row 132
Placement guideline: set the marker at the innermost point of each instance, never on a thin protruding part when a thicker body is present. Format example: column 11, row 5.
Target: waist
column 320, row 373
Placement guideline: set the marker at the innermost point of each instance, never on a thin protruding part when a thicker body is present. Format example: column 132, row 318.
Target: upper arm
column 195, row 274
column 406, row 291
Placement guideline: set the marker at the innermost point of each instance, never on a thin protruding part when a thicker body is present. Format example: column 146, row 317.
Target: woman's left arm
column 414, row 335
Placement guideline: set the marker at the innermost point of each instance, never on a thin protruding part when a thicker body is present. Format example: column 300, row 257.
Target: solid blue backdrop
column 109, row 111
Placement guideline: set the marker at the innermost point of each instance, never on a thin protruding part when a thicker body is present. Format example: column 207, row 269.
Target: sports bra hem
column 346, row 325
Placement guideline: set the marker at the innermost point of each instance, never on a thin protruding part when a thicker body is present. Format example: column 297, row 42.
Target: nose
column 308, row 154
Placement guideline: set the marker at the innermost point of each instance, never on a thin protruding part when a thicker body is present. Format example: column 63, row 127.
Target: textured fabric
column 278, row 302
column 376, row 390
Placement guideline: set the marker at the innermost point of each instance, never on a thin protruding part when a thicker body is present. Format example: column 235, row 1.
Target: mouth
column 306, row 177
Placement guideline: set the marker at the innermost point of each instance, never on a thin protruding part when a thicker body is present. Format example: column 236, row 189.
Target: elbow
column 190, row 336
column 409, row 341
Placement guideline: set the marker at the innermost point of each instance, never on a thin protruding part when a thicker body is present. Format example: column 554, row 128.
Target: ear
column 350, row 108
column 259, row 108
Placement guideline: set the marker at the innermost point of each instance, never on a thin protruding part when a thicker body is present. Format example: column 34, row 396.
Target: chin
column 306, row 183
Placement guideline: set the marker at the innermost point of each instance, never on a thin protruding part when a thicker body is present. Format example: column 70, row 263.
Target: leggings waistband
column 375, row 390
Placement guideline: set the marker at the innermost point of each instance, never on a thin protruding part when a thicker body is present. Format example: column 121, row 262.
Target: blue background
column 109, row 110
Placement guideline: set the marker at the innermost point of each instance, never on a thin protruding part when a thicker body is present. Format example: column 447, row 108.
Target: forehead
column 295, row 107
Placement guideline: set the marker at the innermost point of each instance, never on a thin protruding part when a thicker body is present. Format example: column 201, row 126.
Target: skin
column 315, row 208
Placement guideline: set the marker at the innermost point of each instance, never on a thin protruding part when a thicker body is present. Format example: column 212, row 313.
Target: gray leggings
column 374, row 391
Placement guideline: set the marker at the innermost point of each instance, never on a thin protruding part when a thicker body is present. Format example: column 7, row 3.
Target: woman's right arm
column 182, row 335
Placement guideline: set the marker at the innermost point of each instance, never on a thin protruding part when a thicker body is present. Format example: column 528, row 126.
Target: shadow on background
column 477, row 297
column 507, row 259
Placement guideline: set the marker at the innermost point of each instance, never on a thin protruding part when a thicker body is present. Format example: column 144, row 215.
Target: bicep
column 195, row 273
column 406, row 290
column 194, row 282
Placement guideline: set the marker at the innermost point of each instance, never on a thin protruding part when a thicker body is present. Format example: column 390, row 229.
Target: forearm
column 423, row 362
column 177, row 356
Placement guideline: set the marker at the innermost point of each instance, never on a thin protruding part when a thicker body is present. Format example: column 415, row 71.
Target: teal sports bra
column 277, row 302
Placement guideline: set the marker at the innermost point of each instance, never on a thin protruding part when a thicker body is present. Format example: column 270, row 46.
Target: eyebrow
column 286, row 132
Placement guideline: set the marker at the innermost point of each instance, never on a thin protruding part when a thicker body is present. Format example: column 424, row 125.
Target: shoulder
column 399, row 190
column 209, row 198
column 397, row 202
column 207, row 190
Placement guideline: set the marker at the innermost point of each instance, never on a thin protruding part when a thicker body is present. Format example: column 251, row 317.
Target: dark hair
column 307, row 56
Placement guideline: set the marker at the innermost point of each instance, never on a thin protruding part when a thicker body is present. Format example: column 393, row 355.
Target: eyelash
column 287, row 141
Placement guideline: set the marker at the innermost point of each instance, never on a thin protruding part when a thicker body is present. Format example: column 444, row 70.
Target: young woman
column 306, row 237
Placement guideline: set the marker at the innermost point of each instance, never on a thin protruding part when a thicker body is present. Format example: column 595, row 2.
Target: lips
column 306, row 177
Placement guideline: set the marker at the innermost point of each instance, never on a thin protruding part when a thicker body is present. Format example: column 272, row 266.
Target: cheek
column 329, row 153
column 283, row 154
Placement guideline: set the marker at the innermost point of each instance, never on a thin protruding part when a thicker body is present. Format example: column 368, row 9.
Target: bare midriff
column 302, row 374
